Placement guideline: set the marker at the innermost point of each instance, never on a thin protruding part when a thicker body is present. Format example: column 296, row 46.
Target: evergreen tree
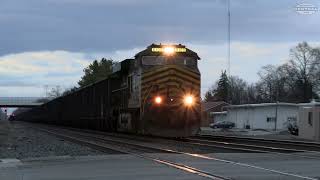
column 96, row 71
column 221, row 92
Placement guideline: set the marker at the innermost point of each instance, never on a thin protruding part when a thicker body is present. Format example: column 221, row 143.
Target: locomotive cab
column 164, row 92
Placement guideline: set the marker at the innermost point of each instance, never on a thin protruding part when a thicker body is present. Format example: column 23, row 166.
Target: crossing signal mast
column 229, row 98
column 228, row 9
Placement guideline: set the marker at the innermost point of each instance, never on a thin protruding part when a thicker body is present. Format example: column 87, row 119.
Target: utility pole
column 276, row 118
column 229, row 98
column 277, row 103
column 229, row 72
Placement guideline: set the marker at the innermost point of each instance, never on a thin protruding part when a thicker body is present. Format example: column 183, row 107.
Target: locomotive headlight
column 158, row 100
column 189, row 100
column 168, row 50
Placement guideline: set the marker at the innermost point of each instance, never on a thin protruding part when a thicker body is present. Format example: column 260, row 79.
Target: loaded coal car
column 156, row 93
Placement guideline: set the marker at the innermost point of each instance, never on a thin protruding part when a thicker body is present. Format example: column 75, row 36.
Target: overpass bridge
column 10, row 102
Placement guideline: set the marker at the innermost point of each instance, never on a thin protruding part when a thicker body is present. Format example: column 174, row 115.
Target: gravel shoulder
column 20, row 141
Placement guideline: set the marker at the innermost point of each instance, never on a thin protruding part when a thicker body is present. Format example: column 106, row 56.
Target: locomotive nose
column 171, row 101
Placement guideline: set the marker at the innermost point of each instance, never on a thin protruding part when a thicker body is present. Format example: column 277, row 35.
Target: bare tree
column 238, row 90
column 55, row 92
column 316, row 71
column 295, row 81
column 252, row 94
column 303, row 67
column 272, row 85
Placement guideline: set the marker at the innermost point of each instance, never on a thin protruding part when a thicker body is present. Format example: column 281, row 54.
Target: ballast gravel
column 17, row 140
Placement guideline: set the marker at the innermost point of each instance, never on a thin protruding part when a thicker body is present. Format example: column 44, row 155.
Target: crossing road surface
column 124, row 166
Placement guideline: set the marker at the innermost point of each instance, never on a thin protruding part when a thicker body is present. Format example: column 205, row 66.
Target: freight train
column 156, row 93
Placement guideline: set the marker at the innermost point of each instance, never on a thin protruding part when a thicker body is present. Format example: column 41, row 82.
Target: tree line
column 94, row 72
column 295, row 81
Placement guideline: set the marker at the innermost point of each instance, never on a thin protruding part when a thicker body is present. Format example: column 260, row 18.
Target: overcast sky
column 49, row 42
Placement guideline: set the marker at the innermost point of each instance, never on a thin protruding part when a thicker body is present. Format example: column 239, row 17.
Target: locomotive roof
column 150, row 51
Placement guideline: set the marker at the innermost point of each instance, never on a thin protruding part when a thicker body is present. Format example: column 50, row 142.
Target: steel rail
column 262, row 148
column 262, row 140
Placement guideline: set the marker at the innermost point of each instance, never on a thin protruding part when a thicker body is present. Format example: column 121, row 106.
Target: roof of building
column 312, row 103
column 219, row 113
column 209, row 105
column 261, row 105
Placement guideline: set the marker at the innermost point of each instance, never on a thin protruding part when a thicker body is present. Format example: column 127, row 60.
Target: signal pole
column 228, row 4
column 229, row 96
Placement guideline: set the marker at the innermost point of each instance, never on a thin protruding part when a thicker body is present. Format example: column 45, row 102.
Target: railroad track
column 217, row 143
column 212, row 142
column 106, row 144
column 242, row 146
column 298, row 146
column 215, row 146
column 143, row 138
column 100, row 142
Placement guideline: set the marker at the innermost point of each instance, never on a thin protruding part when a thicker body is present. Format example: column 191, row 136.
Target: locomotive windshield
column 190, row 62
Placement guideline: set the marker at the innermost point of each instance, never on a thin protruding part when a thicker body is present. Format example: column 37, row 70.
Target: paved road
column 264, row 166
column 93, row 168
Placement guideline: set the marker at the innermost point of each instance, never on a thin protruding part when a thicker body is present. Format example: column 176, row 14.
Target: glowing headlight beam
column 158, row 100
column 168, row 50
column 188, row 100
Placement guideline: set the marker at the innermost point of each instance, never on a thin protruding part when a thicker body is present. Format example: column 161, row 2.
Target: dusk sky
column 49, row 42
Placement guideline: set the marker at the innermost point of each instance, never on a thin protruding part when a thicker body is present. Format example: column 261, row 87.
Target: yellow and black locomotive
column 163, row 92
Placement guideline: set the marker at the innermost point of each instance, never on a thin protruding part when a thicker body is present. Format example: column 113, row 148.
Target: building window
column 310, row 119
column 271, row 119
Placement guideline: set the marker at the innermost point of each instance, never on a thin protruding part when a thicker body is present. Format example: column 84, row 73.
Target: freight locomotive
column 156, row 93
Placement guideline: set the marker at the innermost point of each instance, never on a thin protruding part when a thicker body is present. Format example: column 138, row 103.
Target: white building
column 309, row 121
column 272, row 116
